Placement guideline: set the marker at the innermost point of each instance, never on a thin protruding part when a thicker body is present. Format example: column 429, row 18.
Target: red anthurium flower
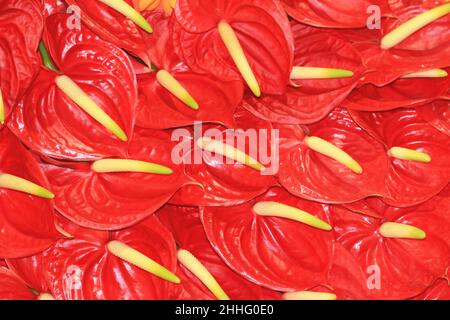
column 310, row 100
column 335, row 162
column 418, row 162
column 212, row 35
column 402, row 92
column 115, row 193
column 221, row 180
column 186, row 226
column 437, row 114
column 107, row 267
column 404, row 252
column 20, row 28
column 204, row 97
column 26, row 211
column 87, row 112
column 12, row 287
column 332, row 13
column 262, row 241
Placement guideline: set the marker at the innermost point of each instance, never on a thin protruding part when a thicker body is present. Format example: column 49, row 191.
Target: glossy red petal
column 311, row 175
column 82, row 269
column 186, row 226
column 112, row 201
column 277, row 253
column 20, row 31
column 26, row 221
column 261, row 27
column 47, row 119
column 12, row 288
column 404, row 267
column 437, row 114
column 409, row 182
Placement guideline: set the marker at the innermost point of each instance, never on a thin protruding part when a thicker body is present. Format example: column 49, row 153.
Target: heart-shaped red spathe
column 186, row 226
column 400, row 93
column 114, row 27
column 406, row 267
column 436, row 114
column 110, row 201
column 409, row 182
column 26, row 221
column 21, row 27
column 83, row 269
column 218, row 181
column 308, row 101
column 12, row 287
column 276, row 253
column 52, row 124
column 332, row 13
column 311, row 175
column 262, row 28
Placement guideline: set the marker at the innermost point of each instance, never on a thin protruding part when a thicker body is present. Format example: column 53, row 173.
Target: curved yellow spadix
column 9, row 181
column 230, row 152
column 330, row 150
column 401, row 231
column 2, row 108
column 188, row 260
column 432, row 73
column 128, row 11
column 408, row 154
column 236, row 52
column 140, row 260
column 45, row 296
column 127, row 165
column 77, row 95
column 298, row 73
column 405, row 30
column 172, row 85
column 277, row 209
column 309, row 295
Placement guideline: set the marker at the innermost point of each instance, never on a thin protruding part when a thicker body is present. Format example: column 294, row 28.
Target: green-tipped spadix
column 77, row 95
column 298, row 73
column 432, row 73
column 401, row 231
column 2, row 108
column 172, row 85
column 127, row 165
column 408, row 154
column 140, row 260
column 190, row 262
column 45, row 296
column 277, row 209
column 405, row 30
column 230, row 152
column 236, row 52
column 128, row 11
column 9, row 181
column 309, row 295
column 330, row 150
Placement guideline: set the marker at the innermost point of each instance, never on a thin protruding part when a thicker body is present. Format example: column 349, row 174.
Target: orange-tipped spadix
column 236, row 52
column 128, row 11
column 408, row 154
column 9, row 181
column 230, row 152
column 77, row 95
column 140, row 260
column 147, row 4
column 127, row 165
column 298, row 73
column 309, row 295
column 432, row 73
column 330, row 150
column 277, row 209
column 401, row 231
column 172, row 85
column 405, row 30
column 190, row 262
column 2, row 108
column 45, row 296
